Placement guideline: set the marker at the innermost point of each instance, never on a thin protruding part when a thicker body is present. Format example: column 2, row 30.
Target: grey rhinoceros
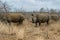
column 40, row 19
column 15, row 18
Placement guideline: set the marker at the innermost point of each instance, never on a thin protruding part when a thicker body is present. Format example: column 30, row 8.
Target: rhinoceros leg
column 32, row 21
column 36, row 24
column 9, row 22
column 39, row 23
column 47, row 22
column 19, row 22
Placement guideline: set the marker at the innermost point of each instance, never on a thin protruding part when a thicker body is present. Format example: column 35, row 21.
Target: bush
column 55, row 17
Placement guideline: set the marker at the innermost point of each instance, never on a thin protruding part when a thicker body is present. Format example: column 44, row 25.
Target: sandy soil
column 28, row 31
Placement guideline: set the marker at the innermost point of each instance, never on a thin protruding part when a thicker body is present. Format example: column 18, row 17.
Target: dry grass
column 28, row 31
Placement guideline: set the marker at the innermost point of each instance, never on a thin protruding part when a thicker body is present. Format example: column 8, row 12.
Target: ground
column 28, row 31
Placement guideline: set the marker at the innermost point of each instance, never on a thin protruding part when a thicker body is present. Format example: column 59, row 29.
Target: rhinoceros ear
column 32, row 14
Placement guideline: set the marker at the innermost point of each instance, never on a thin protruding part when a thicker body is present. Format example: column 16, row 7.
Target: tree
column 53, row 11
column 42, row 10
column 19, row 10
column 4, row 7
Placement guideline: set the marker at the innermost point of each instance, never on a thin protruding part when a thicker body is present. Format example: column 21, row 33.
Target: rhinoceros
column 15, row 18
column 40, row 19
